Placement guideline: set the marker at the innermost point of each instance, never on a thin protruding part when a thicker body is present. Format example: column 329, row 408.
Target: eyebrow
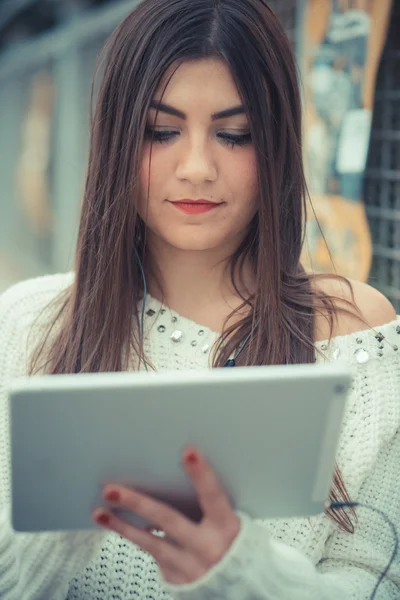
column 170, row 110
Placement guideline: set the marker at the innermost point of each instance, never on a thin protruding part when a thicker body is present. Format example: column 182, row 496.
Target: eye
column 161, row 137
column 165, row 136
column 233, row 140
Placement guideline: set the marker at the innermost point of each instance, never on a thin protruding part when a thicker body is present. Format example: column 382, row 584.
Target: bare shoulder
column 374, row 308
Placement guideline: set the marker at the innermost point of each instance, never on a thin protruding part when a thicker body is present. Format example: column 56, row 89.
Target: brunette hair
column 99, row 325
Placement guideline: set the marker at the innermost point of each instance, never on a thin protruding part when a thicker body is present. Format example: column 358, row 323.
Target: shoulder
column 20, row 306
column 29, row 297
column 374, row 308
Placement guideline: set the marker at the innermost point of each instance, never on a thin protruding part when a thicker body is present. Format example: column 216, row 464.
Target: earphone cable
column 143, row 305
column 232, row 361
column 338, row 505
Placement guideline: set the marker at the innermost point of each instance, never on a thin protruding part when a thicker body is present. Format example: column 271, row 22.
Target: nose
column 196, row 164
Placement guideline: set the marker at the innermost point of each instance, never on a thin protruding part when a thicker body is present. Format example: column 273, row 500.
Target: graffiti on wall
column 342, row 46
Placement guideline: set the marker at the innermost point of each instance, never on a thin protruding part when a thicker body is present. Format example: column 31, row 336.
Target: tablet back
column 271, row 434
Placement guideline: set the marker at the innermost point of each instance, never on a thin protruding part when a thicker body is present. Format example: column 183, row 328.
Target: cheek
column 243, row 176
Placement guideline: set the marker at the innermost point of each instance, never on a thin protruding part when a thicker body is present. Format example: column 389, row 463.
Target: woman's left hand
column 190, row 549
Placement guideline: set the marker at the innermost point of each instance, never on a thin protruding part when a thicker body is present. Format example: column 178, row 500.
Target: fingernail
column 103, row 519
column 192, row 458
column 112, row 496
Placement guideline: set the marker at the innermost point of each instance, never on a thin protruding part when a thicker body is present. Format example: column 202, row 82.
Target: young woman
column 190, row 243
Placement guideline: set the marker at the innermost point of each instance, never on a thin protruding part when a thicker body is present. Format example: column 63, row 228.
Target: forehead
column 201, row 81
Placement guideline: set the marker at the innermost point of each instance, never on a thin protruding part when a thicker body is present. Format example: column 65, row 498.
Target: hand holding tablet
column 189, row 549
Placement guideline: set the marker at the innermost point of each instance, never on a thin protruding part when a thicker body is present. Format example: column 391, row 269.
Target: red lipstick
column 196, row 207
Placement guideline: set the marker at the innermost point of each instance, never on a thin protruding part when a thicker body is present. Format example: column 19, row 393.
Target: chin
column 195, row 242
column 191, row 246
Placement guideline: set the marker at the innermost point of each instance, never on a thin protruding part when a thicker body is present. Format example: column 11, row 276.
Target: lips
column 196, row 207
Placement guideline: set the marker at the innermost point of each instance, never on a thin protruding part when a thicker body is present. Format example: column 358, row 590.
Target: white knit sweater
column 294, row 559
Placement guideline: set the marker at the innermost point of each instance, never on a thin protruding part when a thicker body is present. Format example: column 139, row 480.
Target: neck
column 196, row 284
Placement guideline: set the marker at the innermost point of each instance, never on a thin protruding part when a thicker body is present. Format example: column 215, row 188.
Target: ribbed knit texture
column 295, row 559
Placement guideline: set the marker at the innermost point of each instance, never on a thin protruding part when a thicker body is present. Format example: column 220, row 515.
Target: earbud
column 230, row 363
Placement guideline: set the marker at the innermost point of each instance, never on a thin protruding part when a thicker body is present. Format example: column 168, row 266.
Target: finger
column 176, row 565
column 175, row 525
column 158, row 547
column 212, row 498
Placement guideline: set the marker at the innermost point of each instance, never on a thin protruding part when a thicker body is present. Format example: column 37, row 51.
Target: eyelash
column 229, row 139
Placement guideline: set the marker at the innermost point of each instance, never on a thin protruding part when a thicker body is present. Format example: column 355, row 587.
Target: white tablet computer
column 271, row 434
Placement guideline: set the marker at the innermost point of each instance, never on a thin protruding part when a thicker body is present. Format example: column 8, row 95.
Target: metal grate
column 382, row 179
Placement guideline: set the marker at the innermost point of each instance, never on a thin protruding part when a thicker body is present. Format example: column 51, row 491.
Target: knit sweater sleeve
column 258, row 566
column 32, row 566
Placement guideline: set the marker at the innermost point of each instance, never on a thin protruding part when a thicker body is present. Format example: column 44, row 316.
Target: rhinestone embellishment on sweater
column 177, row 336
column 361, row 355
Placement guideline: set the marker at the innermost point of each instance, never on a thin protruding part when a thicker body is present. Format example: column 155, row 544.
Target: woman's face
column 198, row 154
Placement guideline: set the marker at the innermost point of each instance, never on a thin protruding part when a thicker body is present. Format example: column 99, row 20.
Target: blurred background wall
column 48, row 52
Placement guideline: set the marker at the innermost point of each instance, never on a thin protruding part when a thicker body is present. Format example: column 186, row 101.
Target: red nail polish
column 103, row 519
column 192, row 458
column 113, row 496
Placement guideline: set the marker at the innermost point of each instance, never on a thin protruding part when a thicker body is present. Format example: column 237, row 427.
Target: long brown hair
column 99, row 321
